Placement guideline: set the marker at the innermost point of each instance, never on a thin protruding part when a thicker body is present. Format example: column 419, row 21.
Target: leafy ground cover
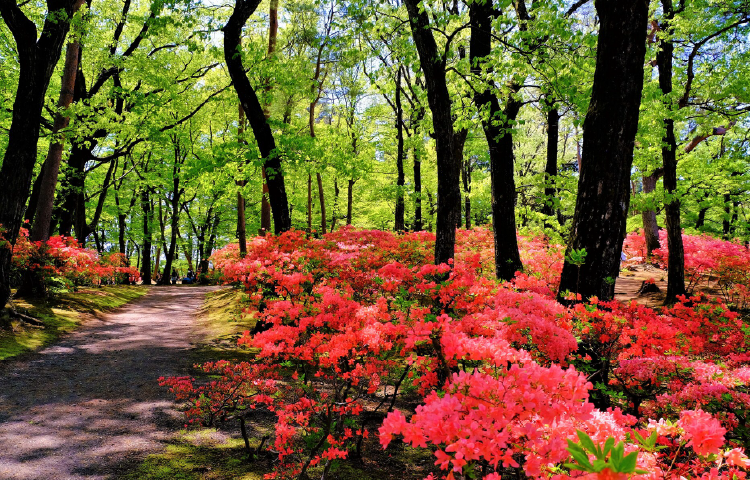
column 59, row 314
column 362, row 337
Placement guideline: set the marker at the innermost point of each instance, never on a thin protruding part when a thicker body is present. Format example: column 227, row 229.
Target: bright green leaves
column 607, row 456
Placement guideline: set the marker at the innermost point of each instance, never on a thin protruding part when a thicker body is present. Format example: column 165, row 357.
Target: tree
column 250, row 104
column 608, row 141
column 448, row 154
column 37, row 57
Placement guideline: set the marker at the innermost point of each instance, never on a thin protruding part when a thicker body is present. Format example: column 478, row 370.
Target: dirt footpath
column 90, row 407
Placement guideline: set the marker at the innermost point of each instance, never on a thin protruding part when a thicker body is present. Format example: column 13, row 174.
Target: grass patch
column 60, row 314
column 222, row 322
column 198, row 456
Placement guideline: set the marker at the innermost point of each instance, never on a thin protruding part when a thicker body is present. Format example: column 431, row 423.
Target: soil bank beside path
column 90, row 406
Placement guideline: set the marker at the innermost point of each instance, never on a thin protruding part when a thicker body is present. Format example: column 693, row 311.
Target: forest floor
column 90, row 406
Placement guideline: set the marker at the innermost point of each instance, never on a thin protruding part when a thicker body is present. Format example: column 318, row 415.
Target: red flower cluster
column 63, row 259
column 359, row 320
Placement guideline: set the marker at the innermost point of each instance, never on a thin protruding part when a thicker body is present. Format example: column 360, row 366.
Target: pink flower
column 704, row 433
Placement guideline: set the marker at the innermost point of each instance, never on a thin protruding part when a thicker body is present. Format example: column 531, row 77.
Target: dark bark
column 496, row 123
column 349, row 201
column 400, row 222
column 650, row 227
column 148, row 213
column 309, row 203
column 550, row 170
column 263, row 134
column 418, row 224
column 177, row 192
column 608, row 142
column 241, row 214
column 40, row 229
column 448, row 163
column 466, row 170
column 37, row 60
column 322, row 199
column 676, row 261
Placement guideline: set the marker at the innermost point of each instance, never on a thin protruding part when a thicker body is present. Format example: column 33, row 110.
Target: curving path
column 90, row 407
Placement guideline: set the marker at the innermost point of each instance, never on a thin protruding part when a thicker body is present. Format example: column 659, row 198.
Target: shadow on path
column 90, row 407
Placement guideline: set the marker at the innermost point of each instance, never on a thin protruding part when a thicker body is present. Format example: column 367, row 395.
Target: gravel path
column 90, row 407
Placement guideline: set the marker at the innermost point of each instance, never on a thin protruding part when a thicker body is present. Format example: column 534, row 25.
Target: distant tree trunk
column 701, row 218
column 148, row 213
column 263, row 134
column 500, row 141
column 466, row 176
column 400, row 222
column 37, row 60
column 321, row 197
column 550, row 170
column 157, row 260
column 608, row 142
column 676, row 262
column 40, row 230
column 727, row 220
column 309, row 203
column 349, row 201
column 334, row 213
column 650, row 227
column 241, row 214
column 174, row 225
column 418, row 225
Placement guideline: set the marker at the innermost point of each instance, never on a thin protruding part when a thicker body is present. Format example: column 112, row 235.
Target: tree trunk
column 400, row 222
column 170, row 254
column 321, row 198
column 650, row 227
column 550, row 170
column 448, row 163
column 676, row 262
column 40, row 231
column 349, row 201
column 241, row 214
column 148, row 213
column 418, row 224
column 37, row 60
column 263, row 134
column 496, row 124
column 608, row 142
column 309, row 203
column 273, row 30
column 466, row 176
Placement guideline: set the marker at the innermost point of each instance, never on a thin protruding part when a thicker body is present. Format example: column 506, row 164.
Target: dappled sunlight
column 90, row 405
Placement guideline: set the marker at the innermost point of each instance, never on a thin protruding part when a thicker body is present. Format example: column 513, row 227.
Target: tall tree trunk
column 157, row 260
column 676, row 261
column 349, row 201
column 496, row 126
column 418, row 224
column 174, row 229
column 448, row 163
column 40, row 230
column 608, row 142
column 321, row 198
column 309, row 203
column 148, row 214
column 241, row 214
column 650, row 227
column 399, row 224
column 263, row 134
column 550, row 170
column 466, row 176
column 37, row 60
column 273, row 30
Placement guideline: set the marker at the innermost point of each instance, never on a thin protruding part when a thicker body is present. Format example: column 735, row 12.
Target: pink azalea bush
column 355, row 325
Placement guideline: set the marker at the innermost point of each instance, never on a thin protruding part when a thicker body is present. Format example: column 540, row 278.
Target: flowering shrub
column 709, row 262
column 357, row 324
column 62, row 260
